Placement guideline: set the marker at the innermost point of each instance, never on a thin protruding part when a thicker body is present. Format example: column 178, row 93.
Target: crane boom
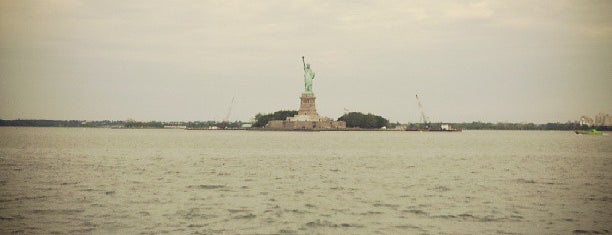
column 229, row 111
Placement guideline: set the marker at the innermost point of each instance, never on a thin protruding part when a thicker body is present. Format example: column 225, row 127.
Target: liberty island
column 307, row 117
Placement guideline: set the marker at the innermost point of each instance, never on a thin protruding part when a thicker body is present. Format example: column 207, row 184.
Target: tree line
column 60, row 123
column 262, row 119
column 353, row 120
column 513, row 126
column 365, row 121
column 125, row 124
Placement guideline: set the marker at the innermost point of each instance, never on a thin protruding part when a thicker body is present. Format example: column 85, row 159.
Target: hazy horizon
column 491, row 61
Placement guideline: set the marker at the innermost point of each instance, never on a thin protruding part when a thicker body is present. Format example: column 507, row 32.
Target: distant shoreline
column 277, row 130
column 238, row 125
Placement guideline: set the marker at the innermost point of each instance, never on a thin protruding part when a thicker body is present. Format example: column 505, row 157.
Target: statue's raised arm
column 304, row 62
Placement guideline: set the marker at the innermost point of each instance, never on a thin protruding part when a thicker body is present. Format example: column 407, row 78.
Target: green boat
column 589, row 132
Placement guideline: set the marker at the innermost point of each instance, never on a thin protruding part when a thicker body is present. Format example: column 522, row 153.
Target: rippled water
column 65, row 180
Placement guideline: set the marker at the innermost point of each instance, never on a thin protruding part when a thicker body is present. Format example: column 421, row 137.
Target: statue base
column 293, row 124
column 307, row 105
column 307, row 118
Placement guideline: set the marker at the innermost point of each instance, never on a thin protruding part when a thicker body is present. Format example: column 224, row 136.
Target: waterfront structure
column 307, row 117
column 584, row 120
column 601, row 119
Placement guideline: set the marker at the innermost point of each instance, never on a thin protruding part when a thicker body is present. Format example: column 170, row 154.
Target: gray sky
column 531, row 61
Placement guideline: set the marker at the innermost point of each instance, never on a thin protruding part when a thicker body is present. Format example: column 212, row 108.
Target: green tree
column 262, row 119
column 366, row 121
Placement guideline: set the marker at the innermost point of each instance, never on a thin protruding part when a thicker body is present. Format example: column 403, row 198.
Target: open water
column 105, row 181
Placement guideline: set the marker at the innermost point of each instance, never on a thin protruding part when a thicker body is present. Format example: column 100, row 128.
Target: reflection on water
column 63, row 180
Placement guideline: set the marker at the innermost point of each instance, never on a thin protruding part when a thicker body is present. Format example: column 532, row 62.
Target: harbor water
column 122, row 181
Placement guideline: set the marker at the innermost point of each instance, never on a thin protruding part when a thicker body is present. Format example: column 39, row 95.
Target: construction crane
column 424, row 118
column 225, row 123
column 229, row 111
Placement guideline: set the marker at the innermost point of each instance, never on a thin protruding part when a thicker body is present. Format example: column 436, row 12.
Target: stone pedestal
column 307, row 105
column 307, row 118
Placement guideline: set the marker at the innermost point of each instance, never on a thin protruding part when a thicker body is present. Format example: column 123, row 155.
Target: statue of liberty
column 308, row 77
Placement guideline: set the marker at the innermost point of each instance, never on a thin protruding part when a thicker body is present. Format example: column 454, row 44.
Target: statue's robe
column 308, row 77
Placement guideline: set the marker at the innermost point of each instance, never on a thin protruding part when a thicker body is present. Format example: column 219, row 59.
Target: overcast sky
column 517, row 61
